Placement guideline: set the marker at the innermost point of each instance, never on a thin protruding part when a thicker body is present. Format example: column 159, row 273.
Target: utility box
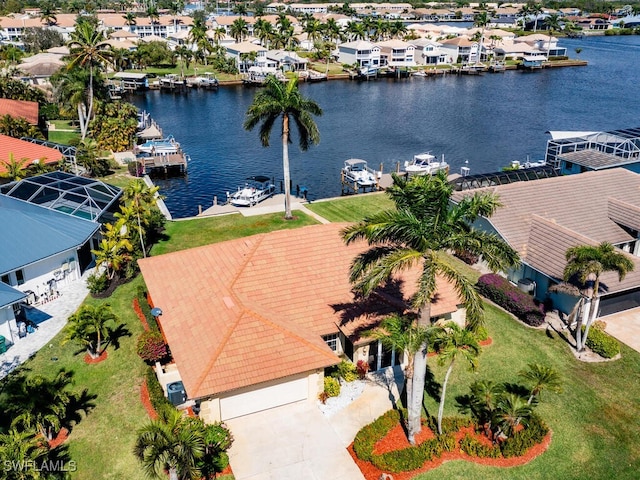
column 176, row 393
column 527, row 285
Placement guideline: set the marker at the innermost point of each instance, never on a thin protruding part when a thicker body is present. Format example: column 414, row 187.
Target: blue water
column 487, row 120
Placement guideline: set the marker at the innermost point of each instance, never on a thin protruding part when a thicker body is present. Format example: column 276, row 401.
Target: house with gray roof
column 50, row 224
column 542, row 219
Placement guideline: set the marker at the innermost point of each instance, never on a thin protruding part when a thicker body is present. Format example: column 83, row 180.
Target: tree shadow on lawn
column 115, row 334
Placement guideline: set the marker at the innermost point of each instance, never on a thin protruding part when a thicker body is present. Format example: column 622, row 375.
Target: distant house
column 253, row 322
column 20, row 109
column 50, row 224
column 396, row 53
column 460, row 49
column 21, row 149
column 577, row 152
column 543, row 218
column 427, row 52
column 287, row 61
column 360, row 52
column 247, row 54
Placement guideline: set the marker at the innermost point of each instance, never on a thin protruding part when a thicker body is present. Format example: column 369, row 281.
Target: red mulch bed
column 146, row 401
column 396, row 440
column 141, row 316
column 59, row 439
column 90, row 360
column 487, row 342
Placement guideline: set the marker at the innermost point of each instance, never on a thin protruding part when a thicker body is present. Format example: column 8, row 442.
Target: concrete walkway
column 625, row 326
column 50, row 318
column 296, row 441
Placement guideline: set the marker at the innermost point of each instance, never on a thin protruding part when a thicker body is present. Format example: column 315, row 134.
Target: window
column 20, row 277
column 5, row 279
column 332, row 341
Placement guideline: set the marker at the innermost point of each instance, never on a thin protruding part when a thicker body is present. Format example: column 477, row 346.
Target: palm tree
column 542, row 377
column 173, row 443
column 22, row 448
column 264, row 31
column 356, row 30
column 239, row 29
column 397, row 29
column 481, row 20
column 113, row 250
column 511, row 410
column 153, row 14
column 403, row 335
column 418, row 232
column 141, row 199
column 88, row 48
column 587, row 263
column 41, row 404
column 536, row 9
column 89, row 326
column 129, row 19
column 15, row 168
column 451, row 343
column 333, row 30
column 278, row 100
column 553, row 22
column 185, row 55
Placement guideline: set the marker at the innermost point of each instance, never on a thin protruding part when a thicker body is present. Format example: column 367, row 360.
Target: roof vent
column 228, row 301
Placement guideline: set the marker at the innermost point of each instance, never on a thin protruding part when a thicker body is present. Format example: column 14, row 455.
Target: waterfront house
column 396, row 53
column 427, row 52
column 541, row 219
column 459, row 49
column 50, row 224
column 286, row 61
column 247, row 54
column 544, row 43
column 577, row 152
column 27, row 151
column 253, row 322
column 360, row 52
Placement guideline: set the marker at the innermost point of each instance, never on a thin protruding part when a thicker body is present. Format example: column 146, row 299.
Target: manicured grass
column 62, row 137
column 353, row 208
column 102, row 443
column 185, row 234
column 63, row 125
column 119, row 178
column 595, row 419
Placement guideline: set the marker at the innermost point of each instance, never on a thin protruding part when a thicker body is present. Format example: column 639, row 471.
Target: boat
column 497, row 67
column 419, row 73
column 532, row 63
column 160, row 147
column 208, row 80
column 425, row 164
column 358, row 172
column 517, row 165
column 255, row 190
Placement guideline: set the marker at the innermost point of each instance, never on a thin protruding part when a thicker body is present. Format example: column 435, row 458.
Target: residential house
column 577, row 152
column 252, row 323
column 286, row 61
column 543, row 218
column 396, row 53
column 460, row 49
column 23, row 150
column 544, row 43
column 26, row 110
column 247, row 54
column 360, row 52
column 427, row 52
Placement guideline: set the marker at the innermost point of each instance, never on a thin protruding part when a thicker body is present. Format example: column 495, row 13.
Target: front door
column 381, row 357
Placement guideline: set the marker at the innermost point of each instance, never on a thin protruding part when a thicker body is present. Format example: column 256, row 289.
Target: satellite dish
column 156, row 312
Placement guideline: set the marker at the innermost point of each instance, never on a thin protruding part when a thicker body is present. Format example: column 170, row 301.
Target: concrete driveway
column 625, row 326
column 298, row 442
column 292, row 442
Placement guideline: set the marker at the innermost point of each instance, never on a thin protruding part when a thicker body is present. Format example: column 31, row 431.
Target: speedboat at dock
column 425, row 164
column 160, row 147
column 356, row 171
column 255, row 190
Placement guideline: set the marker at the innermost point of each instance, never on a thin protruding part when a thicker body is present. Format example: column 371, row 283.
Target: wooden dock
column 170, row 164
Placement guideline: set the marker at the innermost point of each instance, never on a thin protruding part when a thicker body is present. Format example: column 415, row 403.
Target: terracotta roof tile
column 251, row 310
column 22, row 149
column 20, row 109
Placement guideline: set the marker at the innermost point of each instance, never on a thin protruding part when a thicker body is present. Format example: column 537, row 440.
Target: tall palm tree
column 129, row 19
column 88, row 49
column 239, row 29
column 185, row 55
column 542, row 378
column 403, row 335
column 356, row 30
column 47, row 14
column 173, row 443
column 535, row 9
column 113, row 250
column 481, row 20
column 333, row 30
column 154, row 16
column 418, row 232
column 278, row 100
column 41, row 404
column 587, row 263
column 89, row 326
column 141, row 199
column 452, row 343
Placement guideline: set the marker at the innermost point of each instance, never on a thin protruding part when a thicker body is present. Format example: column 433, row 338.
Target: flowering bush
column 499, row 290
column 362, row 368
column 151, row 346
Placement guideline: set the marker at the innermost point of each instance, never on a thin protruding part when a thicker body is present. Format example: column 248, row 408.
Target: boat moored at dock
column 425, row 164
column 356, row 176
column 255, row 190
column 163, row 146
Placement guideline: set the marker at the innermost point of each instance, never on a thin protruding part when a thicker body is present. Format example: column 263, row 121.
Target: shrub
column 499, row 290
column 151, row 346
column 403, row 460
column 323, row 396
column 482, row 334
column 518, row 444
column 331, row 386
column 347, row 370
column 143, row 302
column 159, row 402
column 467, row 257
column 362, row 368
column 368, row 435
column 602, row 343
column 475, row 448
column 97, row 283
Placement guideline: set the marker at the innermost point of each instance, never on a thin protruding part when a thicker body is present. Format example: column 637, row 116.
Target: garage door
column 264, row 398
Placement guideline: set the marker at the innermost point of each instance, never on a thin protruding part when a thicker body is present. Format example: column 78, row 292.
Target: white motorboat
column 517, row 165
column 255, row 190
column 356, row 170
column 160, row 147
column 425, row 164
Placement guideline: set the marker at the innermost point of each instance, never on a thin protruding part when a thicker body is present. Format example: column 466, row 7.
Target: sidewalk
column 50, row 318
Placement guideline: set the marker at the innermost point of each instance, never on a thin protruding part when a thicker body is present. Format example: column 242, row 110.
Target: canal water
column 483, row 121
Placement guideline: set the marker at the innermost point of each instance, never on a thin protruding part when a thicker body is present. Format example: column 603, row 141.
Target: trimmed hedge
column 475, row 448
column 602, row 343
column 518, row 444
column 331, row 386
column 368, row 435
column 500, row 291
column 141, row 295
column 159, row 402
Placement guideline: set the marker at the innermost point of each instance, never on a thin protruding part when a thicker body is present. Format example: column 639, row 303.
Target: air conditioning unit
column 527, row 285
column 176, row 393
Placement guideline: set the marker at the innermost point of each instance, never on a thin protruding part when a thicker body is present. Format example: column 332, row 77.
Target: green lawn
column 352, row 208
column 595, row 421
column 62, row 137
column 203, row 231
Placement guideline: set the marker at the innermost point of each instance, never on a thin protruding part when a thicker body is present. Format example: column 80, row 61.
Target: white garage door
column 264, row 398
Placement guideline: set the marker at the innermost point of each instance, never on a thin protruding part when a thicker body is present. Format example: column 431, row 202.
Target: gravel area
column 349, row 391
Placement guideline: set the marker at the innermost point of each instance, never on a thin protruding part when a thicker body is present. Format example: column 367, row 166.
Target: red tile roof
column 20, row 109
column 22, row 149
column 250, row 310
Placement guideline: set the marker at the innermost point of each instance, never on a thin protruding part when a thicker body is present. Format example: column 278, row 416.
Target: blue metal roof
column 9, row 295
column 29, row 233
